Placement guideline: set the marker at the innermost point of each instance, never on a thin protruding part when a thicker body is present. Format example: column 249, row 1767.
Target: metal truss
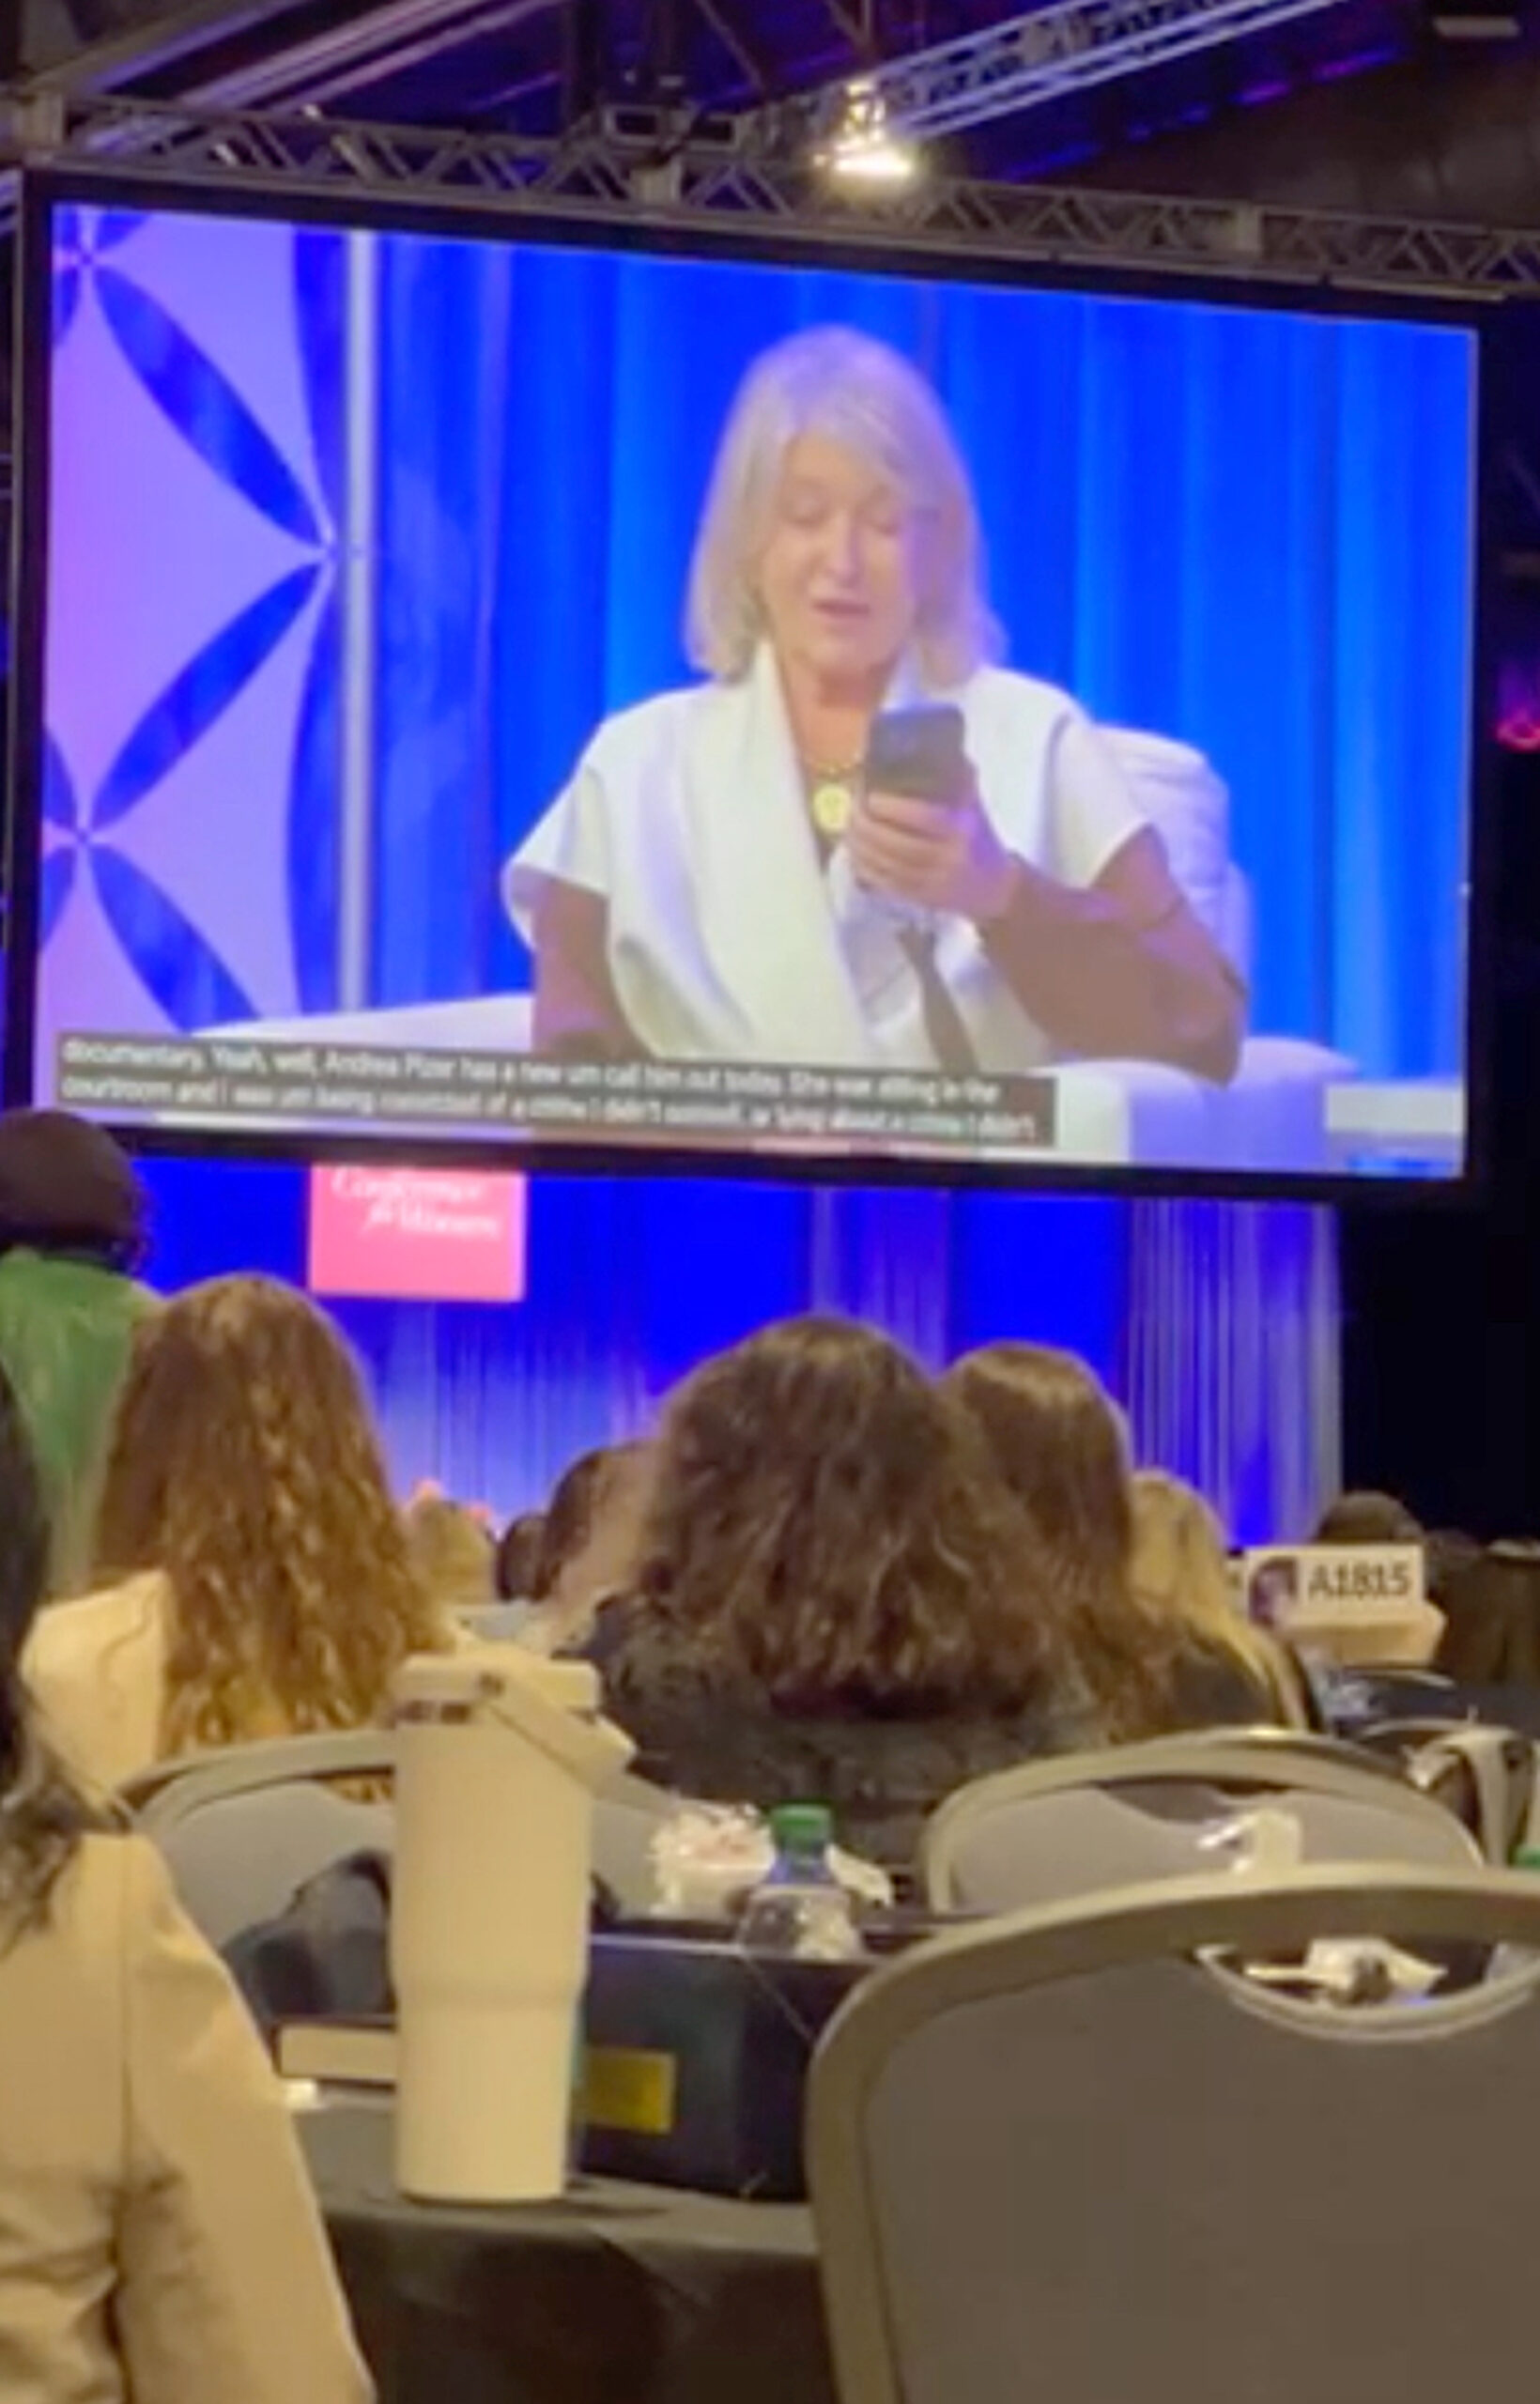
column 1067, row 46
column 643, row 170
column 319, row 66
column 145, row 39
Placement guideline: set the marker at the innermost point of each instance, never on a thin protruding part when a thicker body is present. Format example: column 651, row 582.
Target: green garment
column 65, row 1329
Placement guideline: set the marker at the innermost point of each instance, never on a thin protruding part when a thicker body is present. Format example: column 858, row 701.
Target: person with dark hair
column 585, row 1539
column 1407, row 1640
column 158, row 2235
column 1364, row 1516
column 1058, row 1442
column 520, row 1548
column 577, row 1504
column 72, row 1237
column 832, row 1597
column 1491, row 1633
column 1447, row 1554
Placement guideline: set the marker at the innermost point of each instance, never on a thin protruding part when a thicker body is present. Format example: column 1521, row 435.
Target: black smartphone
column 917, row 752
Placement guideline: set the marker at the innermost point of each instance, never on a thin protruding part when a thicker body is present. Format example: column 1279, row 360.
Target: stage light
column 864, row 147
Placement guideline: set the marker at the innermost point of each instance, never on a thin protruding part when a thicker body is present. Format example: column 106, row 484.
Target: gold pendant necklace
column 832, row 803
column 831, row 799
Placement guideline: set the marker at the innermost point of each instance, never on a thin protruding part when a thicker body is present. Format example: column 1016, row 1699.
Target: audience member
column 72, row 1236
column 587, row 1536
column 1058, row 1441
column 833, row 1599
column 451, row 1550
column 1491, row 1633
column 1448, row 1554
column 255, row 1577
column 1180, row 1575
column 1364, row 1516
column 158, row 2237
column 519, row 1556
column 1339, row 1636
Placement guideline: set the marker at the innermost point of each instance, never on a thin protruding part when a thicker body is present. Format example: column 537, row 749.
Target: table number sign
column 1290, row 1588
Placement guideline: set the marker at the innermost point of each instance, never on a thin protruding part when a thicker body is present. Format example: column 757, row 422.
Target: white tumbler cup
column 499, row 1755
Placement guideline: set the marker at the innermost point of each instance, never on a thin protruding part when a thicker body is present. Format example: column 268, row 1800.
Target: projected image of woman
column 723, row 878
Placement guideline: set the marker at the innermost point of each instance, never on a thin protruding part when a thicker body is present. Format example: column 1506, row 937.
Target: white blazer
column 95, row 1669
column 160, row 2241
column 729, row 939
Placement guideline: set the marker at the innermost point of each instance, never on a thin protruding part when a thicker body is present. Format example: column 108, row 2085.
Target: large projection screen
column 559, row 699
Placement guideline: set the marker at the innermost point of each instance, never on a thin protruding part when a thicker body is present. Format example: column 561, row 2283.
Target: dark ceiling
column 1358, row 99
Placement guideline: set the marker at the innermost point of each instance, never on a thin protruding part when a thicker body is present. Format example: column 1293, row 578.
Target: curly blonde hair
column 244, row 1467
column 1181, row 1576
column 824, row 1530
column 451, row 1550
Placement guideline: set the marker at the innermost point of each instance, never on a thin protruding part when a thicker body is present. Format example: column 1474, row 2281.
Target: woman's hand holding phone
column 919, row 831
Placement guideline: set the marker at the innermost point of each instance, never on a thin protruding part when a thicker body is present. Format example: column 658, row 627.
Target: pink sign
column 418, row 1234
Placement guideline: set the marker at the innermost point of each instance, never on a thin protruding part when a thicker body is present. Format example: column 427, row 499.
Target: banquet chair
column 1126, row 1813
column 243, row 1828
column 1486, row 1776
column 1075, row 2154
column 1357, row 1698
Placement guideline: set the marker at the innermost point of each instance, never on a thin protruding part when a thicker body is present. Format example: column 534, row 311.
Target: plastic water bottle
column 800, row 1907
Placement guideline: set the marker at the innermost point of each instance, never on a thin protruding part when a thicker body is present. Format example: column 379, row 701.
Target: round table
column 617, row 2294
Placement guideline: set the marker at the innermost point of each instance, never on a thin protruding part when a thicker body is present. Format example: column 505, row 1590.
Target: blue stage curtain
column 1231, row 1357
column 1215, row 1324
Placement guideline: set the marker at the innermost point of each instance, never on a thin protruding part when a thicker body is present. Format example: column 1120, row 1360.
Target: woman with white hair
column 723, row 879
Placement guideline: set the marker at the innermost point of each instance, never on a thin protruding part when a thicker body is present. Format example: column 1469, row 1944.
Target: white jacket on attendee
column 96, row 1671
column 160, row 2241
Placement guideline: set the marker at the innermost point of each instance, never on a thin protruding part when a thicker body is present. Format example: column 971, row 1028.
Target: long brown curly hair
column 244, row 1467
column 825, row 1530
column 1058, row 1442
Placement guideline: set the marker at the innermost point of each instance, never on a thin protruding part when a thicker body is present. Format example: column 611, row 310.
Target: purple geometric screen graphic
column 182, row 703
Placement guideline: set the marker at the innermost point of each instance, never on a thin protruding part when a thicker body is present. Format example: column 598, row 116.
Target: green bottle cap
column 802, row 1827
